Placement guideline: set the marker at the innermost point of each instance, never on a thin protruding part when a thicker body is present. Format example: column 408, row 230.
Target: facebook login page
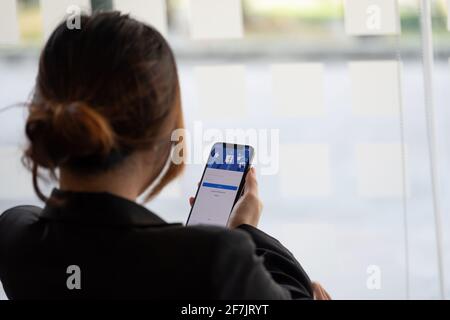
column 220, row 185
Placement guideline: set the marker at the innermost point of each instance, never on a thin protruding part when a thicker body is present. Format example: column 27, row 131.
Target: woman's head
column 103, row 93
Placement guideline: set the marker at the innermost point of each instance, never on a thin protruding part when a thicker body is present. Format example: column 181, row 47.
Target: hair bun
column 59, row 133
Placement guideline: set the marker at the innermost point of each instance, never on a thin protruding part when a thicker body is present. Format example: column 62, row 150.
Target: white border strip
column 428, row 64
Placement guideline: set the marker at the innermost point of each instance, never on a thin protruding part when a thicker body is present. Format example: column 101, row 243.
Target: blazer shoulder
column 220, row 234
column 19, row 216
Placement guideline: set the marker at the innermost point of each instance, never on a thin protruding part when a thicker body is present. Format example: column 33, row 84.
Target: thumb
column 251, row 184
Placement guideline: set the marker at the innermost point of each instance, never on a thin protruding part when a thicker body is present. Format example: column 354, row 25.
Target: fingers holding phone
column 222, row 185
column 249, row 207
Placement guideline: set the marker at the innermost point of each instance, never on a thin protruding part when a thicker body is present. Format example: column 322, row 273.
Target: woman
column 106, row 100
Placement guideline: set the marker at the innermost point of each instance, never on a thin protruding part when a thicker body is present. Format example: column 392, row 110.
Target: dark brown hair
column 103, row 92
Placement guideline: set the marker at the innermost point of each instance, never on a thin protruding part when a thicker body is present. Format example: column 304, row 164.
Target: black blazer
column 125, row 251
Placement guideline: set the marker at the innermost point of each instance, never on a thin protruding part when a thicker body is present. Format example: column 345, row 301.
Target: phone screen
column 221, row 184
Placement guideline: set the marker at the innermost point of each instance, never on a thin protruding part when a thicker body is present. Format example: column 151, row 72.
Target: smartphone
column 221, row 185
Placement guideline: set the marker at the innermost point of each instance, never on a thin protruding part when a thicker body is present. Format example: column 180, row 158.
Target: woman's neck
column 114, row 182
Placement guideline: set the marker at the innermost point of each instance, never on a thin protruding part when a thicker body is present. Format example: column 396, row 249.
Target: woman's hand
column 319, row 292
column 248, row 208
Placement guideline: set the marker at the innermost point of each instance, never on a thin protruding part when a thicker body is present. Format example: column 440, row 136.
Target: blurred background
column 340, row 232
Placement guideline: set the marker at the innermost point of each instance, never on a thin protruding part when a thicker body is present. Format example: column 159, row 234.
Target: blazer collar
column 98, row 209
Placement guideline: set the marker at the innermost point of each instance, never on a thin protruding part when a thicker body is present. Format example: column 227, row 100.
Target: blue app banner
column 218, row 186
